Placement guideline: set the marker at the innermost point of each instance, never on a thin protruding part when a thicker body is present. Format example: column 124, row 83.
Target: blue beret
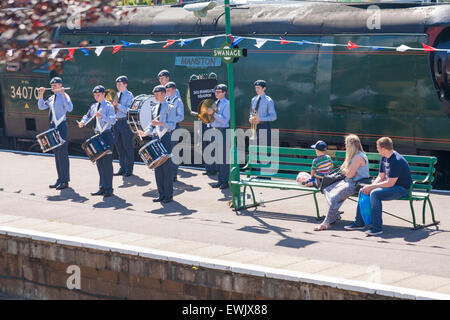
column 98, row 89
column 320, row 145
column 56, row 80
column 122, row 79
column 170, row 84
column 260, row 83
column 221, row 87
column 159, row 88
column 163, row 73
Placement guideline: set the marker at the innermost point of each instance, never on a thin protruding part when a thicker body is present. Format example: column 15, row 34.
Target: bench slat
column 281, row 160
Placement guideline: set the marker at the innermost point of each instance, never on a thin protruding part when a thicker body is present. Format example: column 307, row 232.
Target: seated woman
column 355, row 168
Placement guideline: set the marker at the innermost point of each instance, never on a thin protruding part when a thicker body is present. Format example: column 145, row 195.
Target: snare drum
column 139, row 116
column 154, row 154
column 95, row 147
column 50, row 140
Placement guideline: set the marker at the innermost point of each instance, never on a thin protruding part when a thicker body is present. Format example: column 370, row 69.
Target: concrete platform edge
column 254, row 270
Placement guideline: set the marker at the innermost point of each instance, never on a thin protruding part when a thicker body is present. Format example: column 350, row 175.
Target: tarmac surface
column 200, row 223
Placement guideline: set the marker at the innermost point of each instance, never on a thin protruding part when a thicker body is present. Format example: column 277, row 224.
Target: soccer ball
column 303, row 177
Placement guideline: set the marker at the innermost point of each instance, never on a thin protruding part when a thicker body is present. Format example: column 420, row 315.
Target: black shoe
column 216, row 185
column 158, row 199
column 127, row 174
column 206, row 173
column 63, row 185
column 52, row 186
column 167, row 200
column 119, row 173
column 107, row 194
column 98, row 193
column 224, row 186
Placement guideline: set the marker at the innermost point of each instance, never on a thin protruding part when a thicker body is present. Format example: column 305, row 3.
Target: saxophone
column 111, row 96
column 254, row 125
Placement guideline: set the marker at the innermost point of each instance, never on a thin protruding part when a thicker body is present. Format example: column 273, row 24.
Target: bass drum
column 139, row 115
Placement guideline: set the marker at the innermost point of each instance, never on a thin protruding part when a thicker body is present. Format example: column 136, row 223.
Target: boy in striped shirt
column 320, row 165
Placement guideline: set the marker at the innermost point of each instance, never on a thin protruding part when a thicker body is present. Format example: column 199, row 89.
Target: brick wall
column 33, row 269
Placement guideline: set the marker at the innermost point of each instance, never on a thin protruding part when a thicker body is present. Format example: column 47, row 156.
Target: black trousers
column 62, row 154
column 123, row 140
column 164, row 173
column 104, row 165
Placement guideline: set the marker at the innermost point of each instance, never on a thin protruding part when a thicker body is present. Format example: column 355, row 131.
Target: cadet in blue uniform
column 123, row 136
column 264, row 107
column 164, row 78
column 105, row 119
column 165, row 116
column 222, row 122
column 173, row 99
column 60, row 103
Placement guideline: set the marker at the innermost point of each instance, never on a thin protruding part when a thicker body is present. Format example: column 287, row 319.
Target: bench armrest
column 427, row 187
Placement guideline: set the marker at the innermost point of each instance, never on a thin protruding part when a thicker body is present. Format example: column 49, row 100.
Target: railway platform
column 411, row 264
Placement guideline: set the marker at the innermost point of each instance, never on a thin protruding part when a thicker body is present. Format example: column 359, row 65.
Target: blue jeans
column 376, row 197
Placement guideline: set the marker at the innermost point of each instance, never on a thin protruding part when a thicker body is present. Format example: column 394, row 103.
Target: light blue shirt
column 266, row 108
column 166, row 115
column 222, row 116
column 179, row 107
column 177, row 93
column 126, row 97
column 108, row 116
column 60, row 104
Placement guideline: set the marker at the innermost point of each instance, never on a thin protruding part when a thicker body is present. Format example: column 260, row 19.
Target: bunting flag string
column 284, row 41
column 234, row 40
column 99, row 50
column 117, row 48
column 70, row 56
column 351, row 45
column 169, row 43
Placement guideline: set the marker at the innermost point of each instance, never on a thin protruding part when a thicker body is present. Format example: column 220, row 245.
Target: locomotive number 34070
column 24, row 92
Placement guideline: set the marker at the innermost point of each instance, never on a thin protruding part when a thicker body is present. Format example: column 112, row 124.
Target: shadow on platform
column 173, row 208
column 113, row 202
column 265, row 227
column 133, row 180
column 185, row 174
column 68, row 194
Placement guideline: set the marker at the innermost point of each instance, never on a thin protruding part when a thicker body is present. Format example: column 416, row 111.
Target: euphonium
column 111, row 96
column 203, row 114
column 254, row 125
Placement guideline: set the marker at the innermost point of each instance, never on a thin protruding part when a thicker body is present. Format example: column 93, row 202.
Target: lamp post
column 234, row 166
column 200, row 10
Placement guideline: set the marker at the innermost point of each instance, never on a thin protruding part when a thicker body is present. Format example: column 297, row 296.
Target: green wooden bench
column 283, row 164
column 280, row 164
column 422, row 172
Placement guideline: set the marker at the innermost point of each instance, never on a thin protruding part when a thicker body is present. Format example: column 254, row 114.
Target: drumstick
column 134, row 122
column 87, row 121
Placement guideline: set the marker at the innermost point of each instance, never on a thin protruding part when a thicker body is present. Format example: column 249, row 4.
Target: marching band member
column 164, row 78
column 105, row 118
column 222, row 122
column 123, row 137
column 173, row 99
column 262, row 112
column 60, row 103
column 163, row 116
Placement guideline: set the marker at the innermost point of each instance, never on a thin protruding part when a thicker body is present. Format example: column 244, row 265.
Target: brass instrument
column 111, row 96
column 203, row 114
column 253, row 125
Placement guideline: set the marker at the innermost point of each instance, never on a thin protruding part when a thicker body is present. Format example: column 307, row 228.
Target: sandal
column 322, row 227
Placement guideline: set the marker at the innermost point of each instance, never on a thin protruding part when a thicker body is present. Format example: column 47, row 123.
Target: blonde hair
column 352, row 147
